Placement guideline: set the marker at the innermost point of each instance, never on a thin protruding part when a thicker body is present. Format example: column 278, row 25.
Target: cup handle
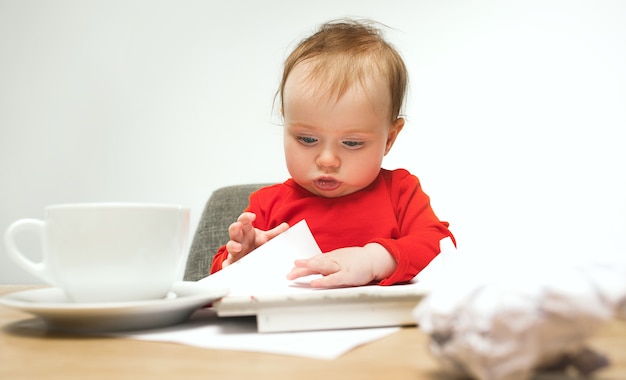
column 39, row 269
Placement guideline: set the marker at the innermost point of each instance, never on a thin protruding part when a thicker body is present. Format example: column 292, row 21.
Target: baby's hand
column 244, row 238
column 352, row 266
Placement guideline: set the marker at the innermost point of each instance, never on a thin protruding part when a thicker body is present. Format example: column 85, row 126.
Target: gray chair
column 220, row 211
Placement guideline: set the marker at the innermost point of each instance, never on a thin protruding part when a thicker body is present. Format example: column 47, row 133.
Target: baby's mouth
column 327, row 184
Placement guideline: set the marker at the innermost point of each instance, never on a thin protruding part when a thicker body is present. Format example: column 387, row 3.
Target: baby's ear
column 394, row 130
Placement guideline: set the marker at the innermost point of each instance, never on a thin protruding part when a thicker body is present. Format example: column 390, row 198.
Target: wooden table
column 28, row 351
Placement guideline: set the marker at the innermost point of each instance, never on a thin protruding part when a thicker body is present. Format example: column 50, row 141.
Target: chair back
column 221, row 210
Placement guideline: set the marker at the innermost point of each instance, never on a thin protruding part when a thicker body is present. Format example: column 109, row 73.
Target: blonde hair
column 344, row 52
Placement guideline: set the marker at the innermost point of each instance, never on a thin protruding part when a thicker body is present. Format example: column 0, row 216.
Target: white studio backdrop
column 516, row 114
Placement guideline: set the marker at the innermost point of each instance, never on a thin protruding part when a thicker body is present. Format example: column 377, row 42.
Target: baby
column 341, row 94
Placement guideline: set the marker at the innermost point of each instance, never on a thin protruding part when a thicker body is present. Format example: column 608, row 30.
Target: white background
column 516, row 115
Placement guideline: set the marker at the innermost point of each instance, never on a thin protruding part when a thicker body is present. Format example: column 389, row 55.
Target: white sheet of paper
column 206, row 330
column 264, row 269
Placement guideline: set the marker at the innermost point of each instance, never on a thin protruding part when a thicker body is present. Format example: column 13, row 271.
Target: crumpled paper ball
column 513, row 323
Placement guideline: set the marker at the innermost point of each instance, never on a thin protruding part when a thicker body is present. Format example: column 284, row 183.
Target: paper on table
column 206, row 330
column 264, row 269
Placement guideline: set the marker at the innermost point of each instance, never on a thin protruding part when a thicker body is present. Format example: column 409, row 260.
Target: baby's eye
column 352, row 144
column 307, row 140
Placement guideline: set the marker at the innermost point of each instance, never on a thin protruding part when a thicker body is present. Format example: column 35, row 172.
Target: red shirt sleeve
column 420, row 229
column 218, row 259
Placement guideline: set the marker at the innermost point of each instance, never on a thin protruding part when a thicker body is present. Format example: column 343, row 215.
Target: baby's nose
column 328, row 158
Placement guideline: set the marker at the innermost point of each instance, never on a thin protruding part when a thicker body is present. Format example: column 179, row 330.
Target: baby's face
column 336, row 147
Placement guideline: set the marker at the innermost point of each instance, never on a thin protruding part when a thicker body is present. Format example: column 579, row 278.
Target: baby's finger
column 322, row 264
column 299, row 272
column 228, row 261
column 233, row 247
column 334, row 280
column 276, row 231
column 235, row 230
column 246, row 217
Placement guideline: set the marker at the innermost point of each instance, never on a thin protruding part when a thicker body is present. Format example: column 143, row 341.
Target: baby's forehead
column 332, row 81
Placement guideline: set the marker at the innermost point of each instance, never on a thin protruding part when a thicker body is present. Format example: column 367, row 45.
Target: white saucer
column 59, row 313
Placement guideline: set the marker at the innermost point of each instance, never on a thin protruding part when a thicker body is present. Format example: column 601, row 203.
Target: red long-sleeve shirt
column 393, row 211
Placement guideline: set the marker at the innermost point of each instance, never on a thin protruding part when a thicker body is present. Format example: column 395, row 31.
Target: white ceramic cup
column 106, row 252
